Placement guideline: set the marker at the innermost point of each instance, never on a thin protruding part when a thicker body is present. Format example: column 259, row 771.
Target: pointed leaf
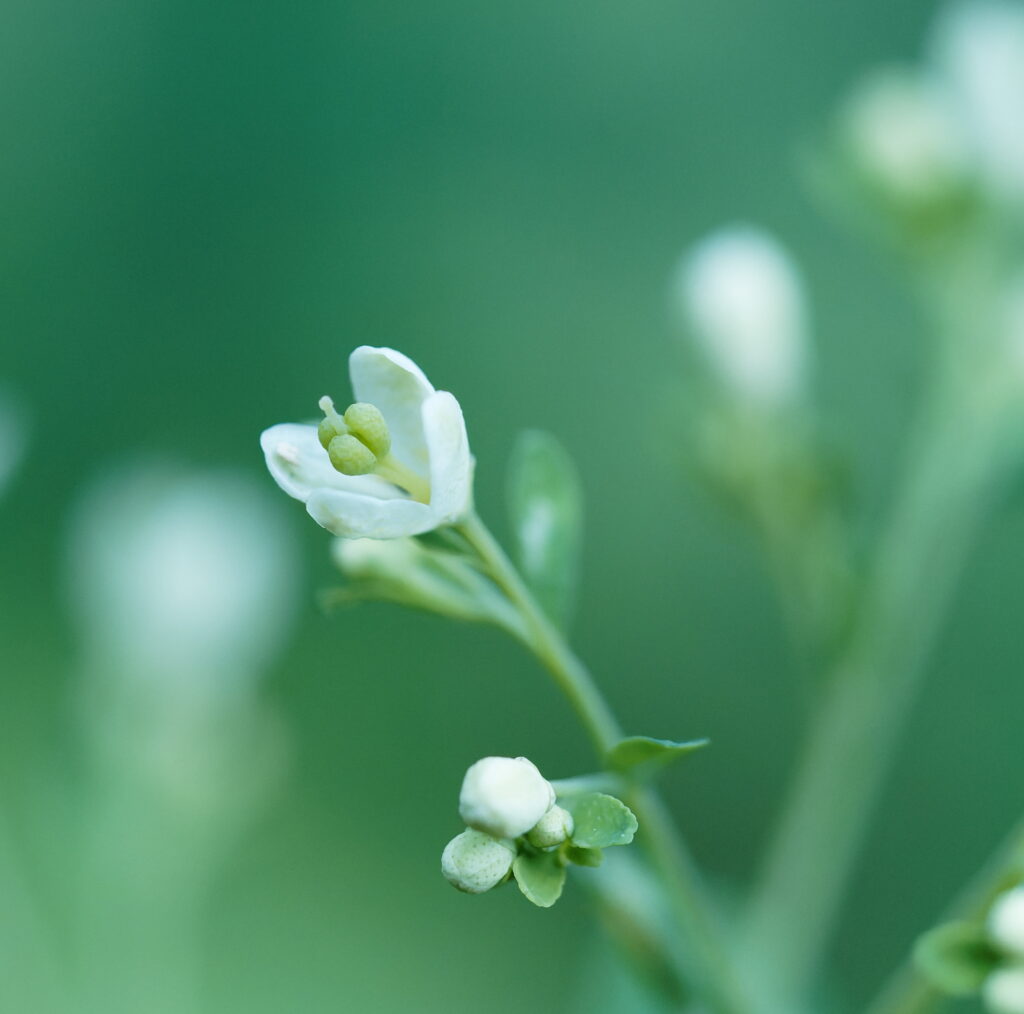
column 956, row 957
column 540, row 877
column 644, row 756
column 546, row 506
column 600, row 820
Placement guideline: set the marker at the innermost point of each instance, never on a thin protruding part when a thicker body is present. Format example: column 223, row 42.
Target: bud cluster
column 502, row 799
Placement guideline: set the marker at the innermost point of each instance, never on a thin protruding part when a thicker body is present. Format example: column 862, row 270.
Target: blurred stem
column 38, row 984
column 706, row 957
column 908, row 992
column 870, row 689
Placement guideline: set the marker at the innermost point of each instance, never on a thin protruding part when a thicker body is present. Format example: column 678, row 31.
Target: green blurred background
column 205, row 206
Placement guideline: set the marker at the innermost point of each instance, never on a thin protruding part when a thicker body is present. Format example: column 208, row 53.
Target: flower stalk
column 706, row 956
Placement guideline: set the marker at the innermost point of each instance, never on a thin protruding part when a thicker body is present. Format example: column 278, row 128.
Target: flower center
column 358, row 443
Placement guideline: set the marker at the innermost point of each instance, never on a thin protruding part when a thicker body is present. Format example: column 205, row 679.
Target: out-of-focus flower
column 742, row 299
column 1004, row 990
column 905, row 139
column 181, row 579
column 504, row 796
column 978, row 49
column 475, row 862
column 395, row 463
column 1006, row 922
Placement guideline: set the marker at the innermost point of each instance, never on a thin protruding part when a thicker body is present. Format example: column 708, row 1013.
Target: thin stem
column 544, row 640
column 708, row 964
column 870, row 690
column 908, row 992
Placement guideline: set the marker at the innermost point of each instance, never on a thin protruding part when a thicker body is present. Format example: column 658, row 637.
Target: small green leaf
column 955, row 957
column 583, row 856
column 600, row 820
column 540, row 877
column 546, row 506
column 643, row 756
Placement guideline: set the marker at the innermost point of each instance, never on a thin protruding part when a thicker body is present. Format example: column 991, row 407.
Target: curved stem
column 868, row 695
column 707, row 960
column 910, row 993
column 544, row 640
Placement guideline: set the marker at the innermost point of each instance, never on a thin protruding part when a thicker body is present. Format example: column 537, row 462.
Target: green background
column 205, row 206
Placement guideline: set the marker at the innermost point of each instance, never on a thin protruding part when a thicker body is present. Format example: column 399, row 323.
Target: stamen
column 332, row 425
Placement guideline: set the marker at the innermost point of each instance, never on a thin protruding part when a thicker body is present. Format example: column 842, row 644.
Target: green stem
column 544, row 640
column 908, row 992
column 868, row 695
column 39, row 983
column 700, row 936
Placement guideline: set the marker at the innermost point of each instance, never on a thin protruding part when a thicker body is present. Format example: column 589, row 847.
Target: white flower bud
column 475, row 862
column 1006, row 922
column 905, row 138
column 552, row 829
column 1004, row 990
column 741, row 296
column 504, row 796
column 979, row 48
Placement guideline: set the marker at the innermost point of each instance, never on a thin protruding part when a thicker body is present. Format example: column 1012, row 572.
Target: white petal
column 356, row 516
column 397, row 386
column 300, row 465
column 450, row 465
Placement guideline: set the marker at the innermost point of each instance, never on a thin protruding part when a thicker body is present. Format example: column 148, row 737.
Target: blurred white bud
column 13, row 433
column 905, row 138
column 741, row 296
column 504, row 796
column 978, row 47
column 475, row 862
column 552, row 829
column 182, row 580
column 1006, row 922
column 1004, row 990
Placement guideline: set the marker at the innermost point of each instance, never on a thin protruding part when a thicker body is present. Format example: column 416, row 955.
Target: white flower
column 418, row 475
column 979, row 48
column 743, row 300
column 1006, row 922
column 1004, row 990
column 504, row 796
column 475, row 862
column 552, row 829
column 905, row 136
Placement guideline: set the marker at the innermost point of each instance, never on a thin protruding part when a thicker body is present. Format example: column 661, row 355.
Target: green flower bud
column 475, row 862
column 367, row 423
column 351, row 457
column 552, row 829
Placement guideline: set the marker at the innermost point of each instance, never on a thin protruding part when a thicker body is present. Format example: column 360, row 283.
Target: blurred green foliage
column 205, row 207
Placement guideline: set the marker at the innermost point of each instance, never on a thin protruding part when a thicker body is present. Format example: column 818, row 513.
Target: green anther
column 350, row 456
column 366, row 422
column 326, row 432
